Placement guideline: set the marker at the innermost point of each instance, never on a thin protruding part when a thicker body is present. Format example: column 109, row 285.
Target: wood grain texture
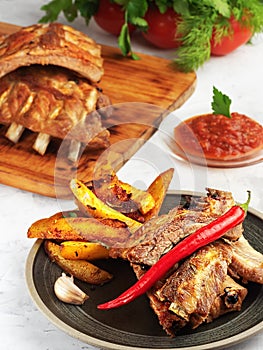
column 141, row 93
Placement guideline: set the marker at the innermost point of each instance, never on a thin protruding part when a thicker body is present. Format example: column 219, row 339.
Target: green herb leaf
column 162, row 5
column 124, row 42
column 70, row 9
column 71, row 13
column 87, row 8
column 195, row 49
column 140, row 23
column 136, row 8
column 221, row 103
column 181, row 7
column 134, row 13
column 221, row 6
column 134, row 56
column 54, row 8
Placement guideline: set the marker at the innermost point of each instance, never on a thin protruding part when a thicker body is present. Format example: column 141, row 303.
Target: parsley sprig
column 198, row 20
column 221, row 103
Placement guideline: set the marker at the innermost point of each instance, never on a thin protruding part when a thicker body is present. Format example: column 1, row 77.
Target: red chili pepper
column 205, row 235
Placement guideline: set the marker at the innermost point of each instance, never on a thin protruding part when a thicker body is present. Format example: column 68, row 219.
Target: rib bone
column 74, row 150
column 41, row 143
column 14, row 132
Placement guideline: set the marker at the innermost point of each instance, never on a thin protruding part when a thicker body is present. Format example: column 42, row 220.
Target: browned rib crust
column 51, row 100
column 193, row 287
column 2, row 37
column 54, row 44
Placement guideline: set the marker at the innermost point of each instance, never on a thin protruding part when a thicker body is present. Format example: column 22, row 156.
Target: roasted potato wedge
column 54, row 227
column 81, row 269
column 78, row 229
column 119, row 195
column 83, row 250
column 143, row 199
column 158, row 190
column 97, row 208
column 122, row 196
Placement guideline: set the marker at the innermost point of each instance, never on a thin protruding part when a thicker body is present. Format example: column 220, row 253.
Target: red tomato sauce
column 218, row 137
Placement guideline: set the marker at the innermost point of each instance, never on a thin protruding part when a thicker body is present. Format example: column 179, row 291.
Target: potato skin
column 83, row 250
column 79, row 229
column 80, row 269
column 158, row 190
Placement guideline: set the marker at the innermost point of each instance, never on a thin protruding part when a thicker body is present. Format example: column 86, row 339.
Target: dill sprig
column 212, row 16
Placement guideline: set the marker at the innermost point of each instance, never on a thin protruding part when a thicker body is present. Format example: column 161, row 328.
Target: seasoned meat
column 54, row 44
column 54, row 101
column 230, row 299
column 104, row 105
column 2, row 37
column 193, row 287
column 247, row 263
column 160, row 234
column 198, row 289
column 169, row 321
column 47, row 77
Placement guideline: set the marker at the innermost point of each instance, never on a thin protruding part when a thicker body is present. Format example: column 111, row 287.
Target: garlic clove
column 68, row 292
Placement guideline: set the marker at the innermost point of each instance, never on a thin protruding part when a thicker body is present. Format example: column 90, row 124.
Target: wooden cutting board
column 150, row 86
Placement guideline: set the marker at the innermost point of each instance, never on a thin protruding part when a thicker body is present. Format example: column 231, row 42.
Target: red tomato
column 110, row 17
column 240, row 36
column 162, row 28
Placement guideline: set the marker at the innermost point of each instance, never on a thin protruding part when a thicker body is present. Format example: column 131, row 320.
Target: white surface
column 239, row 75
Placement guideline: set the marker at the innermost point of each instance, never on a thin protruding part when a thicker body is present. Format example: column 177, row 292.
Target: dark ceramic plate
column 135, row 326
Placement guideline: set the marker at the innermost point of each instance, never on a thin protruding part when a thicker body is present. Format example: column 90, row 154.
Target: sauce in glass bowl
column 216, row 137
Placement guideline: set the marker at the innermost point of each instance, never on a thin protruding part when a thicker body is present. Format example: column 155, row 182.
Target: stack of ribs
column 49, row 75
column 204, row 286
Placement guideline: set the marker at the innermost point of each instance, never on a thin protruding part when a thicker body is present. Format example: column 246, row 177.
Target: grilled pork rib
column 52, row 44
column 51, row 100
column 198, row 289
column 161, row 233
column 197, row 282
column 47, row 76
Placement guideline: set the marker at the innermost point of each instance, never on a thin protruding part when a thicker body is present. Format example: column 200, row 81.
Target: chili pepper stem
column 245, row 205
